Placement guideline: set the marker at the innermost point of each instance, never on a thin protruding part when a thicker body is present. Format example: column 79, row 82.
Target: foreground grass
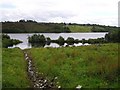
column 77, row 28
column 14, row 69
column 0, row 67
column 90, row 66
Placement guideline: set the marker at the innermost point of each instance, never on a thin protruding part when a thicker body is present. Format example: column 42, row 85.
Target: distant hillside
column 91, row 28
column 30, row 26
column 78, row 28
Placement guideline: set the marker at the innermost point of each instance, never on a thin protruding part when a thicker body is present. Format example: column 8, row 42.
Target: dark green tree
column 37, row 39
column 113, row 36
column 61, row 40
column 70, row 41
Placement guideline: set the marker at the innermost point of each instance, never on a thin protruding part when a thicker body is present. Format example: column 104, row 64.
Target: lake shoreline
column 23, row 37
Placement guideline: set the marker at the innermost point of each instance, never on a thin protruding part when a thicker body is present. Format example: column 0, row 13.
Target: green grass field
column 14, row 73
column 90, row 66
column 77, row 28
column 0, row 67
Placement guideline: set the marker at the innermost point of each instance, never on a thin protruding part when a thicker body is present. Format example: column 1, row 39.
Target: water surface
column 24, row 37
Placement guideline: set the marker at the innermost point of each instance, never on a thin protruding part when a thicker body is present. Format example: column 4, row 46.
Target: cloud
column 119, row 14
column 7, row 6
column 77, row 11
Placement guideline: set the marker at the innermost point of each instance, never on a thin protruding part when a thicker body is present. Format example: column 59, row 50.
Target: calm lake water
column 53, row 36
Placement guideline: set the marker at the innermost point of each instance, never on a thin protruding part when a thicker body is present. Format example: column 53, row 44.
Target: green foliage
column 60, row 40
column 14, row 73
column 67, row 29
column 38, row 44
column 5, row 36
column 21, row 20
column 93, row 41
column 90, row 66
column 37, row 38
column 15, row 41
column 40, row 40
column 70, row 40
column 48, row 40
column 31, row 26
column 6, row 41
column 83, row 41
column 113, row 36
column 98, row 40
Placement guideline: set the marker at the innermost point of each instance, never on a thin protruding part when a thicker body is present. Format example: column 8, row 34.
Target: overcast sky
column 103, row 12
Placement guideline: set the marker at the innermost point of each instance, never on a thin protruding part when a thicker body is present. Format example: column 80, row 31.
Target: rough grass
column 0, row 67
column 14, row 73
column 77, row 28
column 90, row 66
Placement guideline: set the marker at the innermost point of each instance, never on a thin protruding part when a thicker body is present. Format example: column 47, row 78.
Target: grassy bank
column 14, row 69
column 90, row 66
column 77, row 28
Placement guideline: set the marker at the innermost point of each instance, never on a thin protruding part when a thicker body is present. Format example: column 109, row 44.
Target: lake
column 23, row 37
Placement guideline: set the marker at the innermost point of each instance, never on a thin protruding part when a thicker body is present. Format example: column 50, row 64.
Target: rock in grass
column 78, row 87
column 59, row 86
column 55, row 78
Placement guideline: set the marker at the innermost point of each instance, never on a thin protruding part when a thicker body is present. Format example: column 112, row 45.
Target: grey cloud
column 45, row 10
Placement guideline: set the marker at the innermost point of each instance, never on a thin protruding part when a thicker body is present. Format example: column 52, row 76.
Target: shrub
column 37, row 39
column 61, row 40
column 70, row 40
column 6, row 41
column 113, row 36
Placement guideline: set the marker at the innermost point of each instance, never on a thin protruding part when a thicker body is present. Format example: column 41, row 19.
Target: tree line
column 32, row 26
column 41, row 40
column 112, row 36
